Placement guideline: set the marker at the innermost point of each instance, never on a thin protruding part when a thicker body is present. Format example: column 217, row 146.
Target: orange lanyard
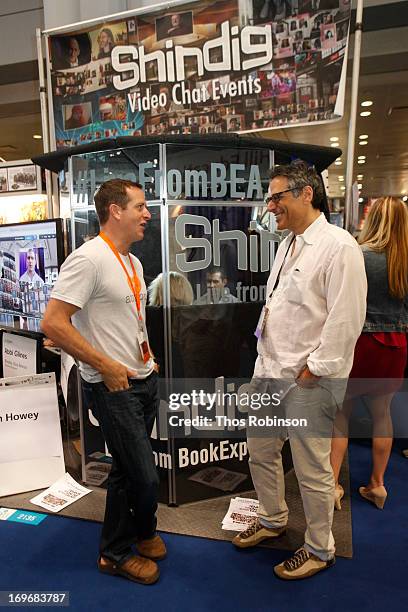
column 134, row 283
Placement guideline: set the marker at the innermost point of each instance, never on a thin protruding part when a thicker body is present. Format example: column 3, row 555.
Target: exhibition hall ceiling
column 16, row 136
column 385, row 170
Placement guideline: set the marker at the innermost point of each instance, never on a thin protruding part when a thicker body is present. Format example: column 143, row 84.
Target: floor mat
column 203, row 519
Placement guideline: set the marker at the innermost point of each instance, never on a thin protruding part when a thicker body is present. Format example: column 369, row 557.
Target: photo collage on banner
column 195, row 70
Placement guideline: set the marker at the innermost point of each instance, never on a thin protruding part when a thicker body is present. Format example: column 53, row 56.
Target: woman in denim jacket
column 381, row 350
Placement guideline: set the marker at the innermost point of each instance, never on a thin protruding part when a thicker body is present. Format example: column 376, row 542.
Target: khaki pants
column 311, row 459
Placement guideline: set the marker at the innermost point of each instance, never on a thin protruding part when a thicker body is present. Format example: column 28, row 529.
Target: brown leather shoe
column 135, row 568
column 154, row 548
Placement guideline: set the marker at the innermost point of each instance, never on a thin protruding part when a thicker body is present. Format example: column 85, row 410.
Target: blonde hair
column 386, row 230
column 181, row 292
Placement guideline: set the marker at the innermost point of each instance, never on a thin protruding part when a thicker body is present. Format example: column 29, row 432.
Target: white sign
column 31, row 454
column 19, row 355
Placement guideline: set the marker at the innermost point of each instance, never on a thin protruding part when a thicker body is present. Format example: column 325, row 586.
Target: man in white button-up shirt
column 315, row 310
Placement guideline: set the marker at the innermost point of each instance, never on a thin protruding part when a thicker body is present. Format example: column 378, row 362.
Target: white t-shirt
column 93, row 279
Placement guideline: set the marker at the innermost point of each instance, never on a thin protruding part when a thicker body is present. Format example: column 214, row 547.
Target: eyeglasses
column 276, row 197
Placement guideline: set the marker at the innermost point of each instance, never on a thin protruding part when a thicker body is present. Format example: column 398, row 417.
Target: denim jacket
column 384, row 312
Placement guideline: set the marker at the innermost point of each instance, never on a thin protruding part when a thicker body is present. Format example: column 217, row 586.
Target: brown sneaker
column 135, row 568
column 154, row 548
column 255, row 533
column 303, row 564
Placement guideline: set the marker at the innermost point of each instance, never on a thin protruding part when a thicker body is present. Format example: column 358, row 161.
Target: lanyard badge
column 262, row 322
column 143, row 346
column 142, row 340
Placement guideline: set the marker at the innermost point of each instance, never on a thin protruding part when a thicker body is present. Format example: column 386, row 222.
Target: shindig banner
column 201, row 67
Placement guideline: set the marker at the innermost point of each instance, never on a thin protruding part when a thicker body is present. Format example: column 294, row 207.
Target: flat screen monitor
column 30, row 257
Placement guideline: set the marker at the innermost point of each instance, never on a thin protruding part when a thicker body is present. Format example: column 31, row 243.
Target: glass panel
column 217, row 286
column 219, row 268
column 90, row 170
column 197, row 172
column 149, row 250
column 86, row 226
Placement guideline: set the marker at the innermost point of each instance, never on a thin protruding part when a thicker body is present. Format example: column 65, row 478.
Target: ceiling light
column 334, row 144
column 363, row 136
column 360, row 176
column 363, row 142
column 341, row 178
column 365, row 114
column 338, row 163
column 361, row 200
column 334, row 139
column 360, row 185
column 367, row 103
column 361, row 161
column 405, row 198
column 37, row 136
column 342, row 187
column 362, row 156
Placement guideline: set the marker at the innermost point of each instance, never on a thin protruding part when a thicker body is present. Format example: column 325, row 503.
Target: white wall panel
column 99, row 8
column 135, row 4
column 14, row 6
column 61, row 12
column 17, row 34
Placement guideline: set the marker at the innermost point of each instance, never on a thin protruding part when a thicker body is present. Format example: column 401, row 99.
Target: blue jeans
column 126, row 419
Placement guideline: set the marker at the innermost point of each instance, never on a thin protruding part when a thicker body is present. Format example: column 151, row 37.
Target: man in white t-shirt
column 97, row 315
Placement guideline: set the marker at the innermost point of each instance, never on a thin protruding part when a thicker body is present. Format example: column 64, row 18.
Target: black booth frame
column 320, row 157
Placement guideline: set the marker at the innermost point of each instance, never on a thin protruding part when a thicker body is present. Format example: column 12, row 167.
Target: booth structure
column 209, row 228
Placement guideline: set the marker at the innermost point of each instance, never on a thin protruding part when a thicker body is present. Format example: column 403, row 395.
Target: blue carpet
column 198, row 575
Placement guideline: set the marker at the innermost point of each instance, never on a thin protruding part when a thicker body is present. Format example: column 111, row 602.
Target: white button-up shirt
column 318, row 309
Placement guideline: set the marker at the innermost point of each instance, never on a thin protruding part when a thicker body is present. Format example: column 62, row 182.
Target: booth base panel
column 203, row 519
